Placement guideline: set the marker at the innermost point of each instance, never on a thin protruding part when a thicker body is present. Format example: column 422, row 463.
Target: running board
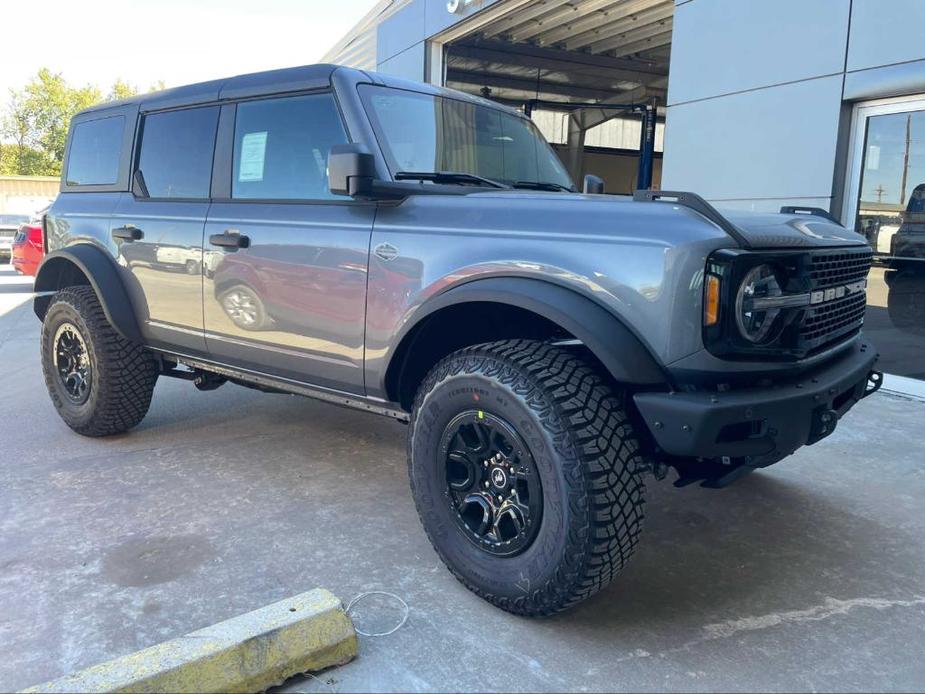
column 334, row 397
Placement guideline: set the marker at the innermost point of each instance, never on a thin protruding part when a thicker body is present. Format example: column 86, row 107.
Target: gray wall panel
column 778, row 142
column 438, row 17
column 400, row 31
column 409, row 64
column 723, row 46
column 885, row 31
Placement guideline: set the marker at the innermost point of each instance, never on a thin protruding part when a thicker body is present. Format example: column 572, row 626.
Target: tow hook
column 874, row 381
column 823, row 424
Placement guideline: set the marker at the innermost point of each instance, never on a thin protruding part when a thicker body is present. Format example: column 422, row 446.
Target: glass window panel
column 423, row 133
column 891, row 215
column 281, row 148
column 95, row 150
column 176, row 152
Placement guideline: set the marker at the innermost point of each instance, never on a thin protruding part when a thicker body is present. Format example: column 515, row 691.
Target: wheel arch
column 83, row 264
column 609, row 340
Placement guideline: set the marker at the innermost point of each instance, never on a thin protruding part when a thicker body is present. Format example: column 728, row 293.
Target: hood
column 763, row 230
column 760, row 230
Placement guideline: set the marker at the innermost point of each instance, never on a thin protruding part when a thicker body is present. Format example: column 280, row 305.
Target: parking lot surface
column 806, row 576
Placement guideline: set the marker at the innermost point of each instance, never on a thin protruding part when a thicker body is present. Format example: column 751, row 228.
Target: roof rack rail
column 696, row 203
column 814, row 211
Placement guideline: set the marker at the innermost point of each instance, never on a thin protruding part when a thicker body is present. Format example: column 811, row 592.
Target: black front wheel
column 99, row 382
column 526, row 474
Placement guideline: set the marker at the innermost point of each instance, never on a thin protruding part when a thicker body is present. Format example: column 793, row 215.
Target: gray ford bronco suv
column 422, row 254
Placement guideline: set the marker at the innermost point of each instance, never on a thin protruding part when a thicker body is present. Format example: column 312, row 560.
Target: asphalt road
column 809, row 576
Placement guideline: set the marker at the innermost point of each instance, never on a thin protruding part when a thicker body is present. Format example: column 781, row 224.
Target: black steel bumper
column 759, row 426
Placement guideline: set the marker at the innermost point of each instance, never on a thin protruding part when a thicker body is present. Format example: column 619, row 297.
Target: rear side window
column 281, row 148
column 95, row 149
column 176, row 152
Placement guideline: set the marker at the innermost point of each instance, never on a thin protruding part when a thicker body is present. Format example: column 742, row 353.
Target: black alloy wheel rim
column 72, row 363
column 491, row 483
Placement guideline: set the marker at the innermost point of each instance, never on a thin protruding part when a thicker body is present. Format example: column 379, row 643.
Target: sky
column 885, row 157
column 144, row 41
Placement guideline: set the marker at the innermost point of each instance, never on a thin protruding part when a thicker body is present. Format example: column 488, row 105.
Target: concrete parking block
column 249, row 653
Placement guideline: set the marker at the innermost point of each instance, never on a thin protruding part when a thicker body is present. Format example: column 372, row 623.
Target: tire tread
column 126, row 375
column 596, row 447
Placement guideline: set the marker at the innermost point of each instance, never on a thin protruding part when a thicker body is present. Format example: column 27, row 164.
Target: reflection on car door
column 159, row 235
column 285, row 262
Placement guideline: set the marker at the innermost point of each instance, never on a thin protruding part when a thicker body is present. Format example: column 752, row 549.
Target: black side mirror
column 594, row 185
column 351, row 170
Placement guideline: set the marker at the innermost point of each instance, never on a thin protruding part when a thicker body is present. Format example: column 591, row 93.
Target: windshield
column 425, row 133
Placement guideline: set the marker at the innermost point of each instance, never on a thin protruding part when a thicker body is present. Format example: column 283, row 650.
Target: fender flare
column 618, row 348
column 102, row 274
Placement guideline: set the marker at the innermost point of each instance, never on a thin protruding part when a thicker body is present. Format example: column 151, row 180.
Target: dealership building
column 753, row 104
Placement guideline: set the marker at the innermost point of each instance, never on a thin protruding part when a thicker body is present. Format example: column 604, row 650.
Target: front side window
column 281, row 148
column 95, row 150
column 423, row 133
column 176, row 152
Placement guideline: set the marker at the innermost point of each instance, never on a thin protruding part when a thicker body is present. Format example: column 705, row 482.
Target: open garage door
column 593, row 74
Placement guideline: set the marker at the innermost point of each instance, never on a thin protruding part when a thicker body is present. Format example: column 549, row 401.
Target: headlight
column 757, row 304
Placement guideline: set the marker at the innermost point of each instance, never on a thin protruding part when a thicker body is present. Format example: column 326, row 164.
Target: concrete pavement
column 807, row 576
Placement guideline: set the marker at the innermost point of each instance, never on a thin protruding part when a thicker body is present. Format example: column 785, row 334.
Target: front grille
column 833, row 319
column 830, row 269
column 825, row 324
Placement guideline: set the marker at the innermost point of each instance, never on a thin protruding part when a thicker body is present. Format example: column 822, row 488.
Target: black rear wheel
column 99, row 382
column 526, row 474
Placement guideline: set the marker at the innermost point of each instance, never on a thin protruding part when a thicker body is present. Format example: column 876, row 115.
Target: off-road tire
column 123, row 372
column 586, row 454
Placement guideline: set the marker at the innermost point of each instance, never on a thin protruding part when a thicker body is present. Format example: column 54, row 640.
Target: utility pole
column 902, row 187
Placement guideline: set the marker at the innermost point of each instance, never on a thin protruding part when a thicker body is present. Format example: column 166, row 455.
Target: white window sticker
column 873, row 158
column 253, row 153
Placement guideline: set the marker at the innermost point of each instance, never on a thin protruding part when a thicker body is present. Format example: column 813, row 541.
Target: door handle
column 232, row 238
column 128, row 233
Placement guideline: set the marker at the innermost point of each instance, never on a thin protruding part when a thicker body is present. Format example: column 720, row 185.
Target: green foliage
column 25, row 161
column 35, row 122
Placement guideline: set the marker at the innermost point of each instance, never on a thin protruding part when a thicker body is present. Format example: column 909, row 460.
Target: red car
column 28, row 248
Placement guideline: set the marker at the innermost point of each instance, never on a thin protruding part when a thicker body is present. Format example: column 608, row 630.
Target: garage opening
column 592, row 74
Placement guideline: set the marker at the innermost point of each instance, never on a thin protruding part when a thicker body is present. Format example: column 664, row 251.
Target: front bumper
column 759, row 426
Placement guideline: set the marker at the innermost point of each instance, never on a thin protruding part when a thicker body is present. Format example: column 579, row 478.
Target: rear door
column 285, row 261
column 158, row 227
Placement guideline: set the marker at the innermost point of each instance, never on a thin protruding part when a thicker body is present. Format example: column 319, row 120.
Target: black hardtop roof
column 290, row 79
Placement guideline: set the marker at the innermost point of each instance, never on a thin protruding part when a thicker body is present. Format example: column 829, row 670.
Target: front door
column 285, row 262
column 158, row 228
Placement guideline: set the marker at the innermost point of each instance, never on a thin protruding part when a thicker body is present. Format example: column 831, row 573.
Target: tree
column 52, row 104
column 122, row 90
column 37, row 118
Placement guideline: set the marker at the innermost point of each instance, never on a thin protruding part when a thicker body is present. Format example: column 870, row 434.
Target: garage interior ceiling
column 568, row 51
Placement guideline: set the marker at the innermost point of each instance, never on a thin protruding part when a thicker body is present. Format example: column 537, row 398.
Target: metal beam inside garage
column 592, row 52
